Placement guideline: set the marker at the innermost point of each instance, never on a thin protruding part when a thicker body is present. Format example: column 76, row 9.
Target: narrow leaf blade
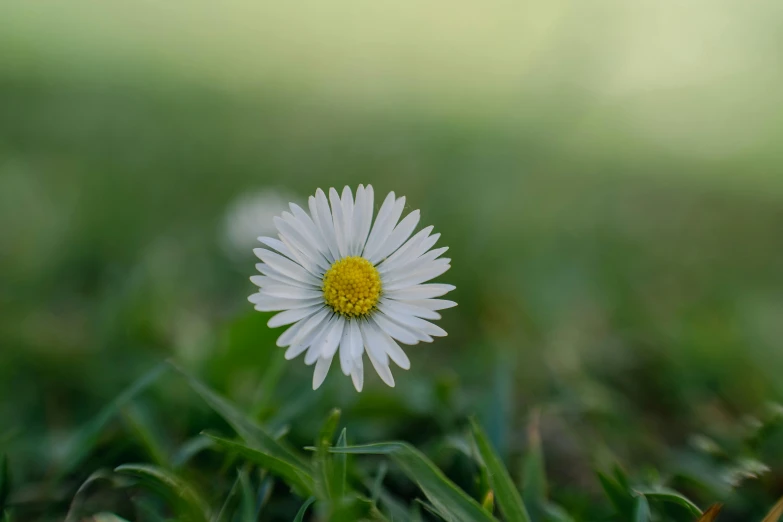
column 295, row 474
column 182, row 494
column 506, row 494
column 302, row 510
column 448, row 499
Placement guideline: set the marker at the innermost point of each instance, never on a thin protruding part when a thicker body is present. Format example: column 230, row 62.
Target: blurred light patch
column 251, row 215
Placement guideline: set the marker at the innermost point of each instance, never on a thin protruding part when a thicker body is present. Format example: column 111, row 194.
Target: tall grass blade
column 185, row 499
column 447, row 498
column 506, row 495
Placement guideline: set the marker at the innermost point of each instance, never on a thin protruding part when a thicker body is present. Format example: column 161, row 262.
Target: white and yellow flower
column 348, row 286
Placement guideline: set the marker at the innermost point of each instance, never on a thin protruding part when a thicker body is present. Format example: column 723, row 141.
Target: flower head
column 348, row 286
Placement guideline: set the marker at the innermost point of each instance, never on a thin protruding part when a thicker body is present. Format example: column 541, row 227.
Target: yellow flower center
column 352, row 286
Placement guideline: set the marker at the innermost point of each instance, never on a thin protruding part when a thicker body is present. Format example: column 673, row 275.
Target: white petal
column 291, row 316
column 393, row 349
column 281, row 278
column 395, row 330
column 290, row 292
column 321, row 369
column 383, row 370
column 318, row 340
column 387, row 220
column 309, row 333
column 322, row 217
column 332, row 341
column 419, row 291
column 431, row 304
column 348, row 209
column 310, row 230
column 357, row 344
column 415, row 324
column 304, row 260
column 404, row 308
column 301, row 328
column 363, row 217
column 406, row 251
column 414, row 265
column 345, row 349
column 295, row 350
column 338, row 221
column 277, row 245
column 285, row 266
column 373, row 344
column 267, row 303
column 357, row 374
column 312, row 327
column 430, row 271
column 397, row 237
column 261, row 281
column 293, row 233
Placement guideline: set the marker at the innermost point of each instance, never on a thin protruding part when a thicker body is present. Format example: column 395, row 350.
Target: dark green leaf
column 247, row 511
column 641, row 510
column 449, row 500
column 340, row 466
column 73, row 511
column 255, row 436
column 183, row 496
column 229, row 500
column 328, row 486
column 669, row 495
column 506, row 494
column 296, row 474
column 377, row 485
column 84, row 440
column 620, row 498
column 302, row 510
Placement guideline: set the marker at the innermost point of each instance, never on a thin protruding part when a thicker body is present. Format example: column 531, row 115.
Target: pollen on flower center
column 352, row 286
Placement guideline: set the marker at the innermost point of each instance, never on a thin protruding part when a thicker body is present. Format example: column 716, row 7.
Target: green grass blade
column 506, row 495
column 143, row 429
column 253, row 434
column 296, row 474
column 341, row 466
column 448, row 499
column 247, row 511
column 185, row 498
column 534, row 481
column 228, row 501
column 302, row 510
column 669, row 495
column 84, row 440
column 620, row 498
column 642, row 510
column 322, row 460
column 78, row 497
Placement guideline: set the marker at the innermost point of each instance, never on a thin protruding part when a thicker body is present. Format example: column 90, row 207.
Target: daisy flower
column 348, row 286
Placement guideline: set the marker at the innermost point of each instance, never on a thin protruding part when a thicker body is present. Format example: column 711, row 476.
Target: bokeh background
column 608, row 177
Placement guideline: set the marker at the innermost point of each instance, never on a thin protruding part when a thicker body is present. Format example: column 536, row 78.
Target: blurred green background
column 608, row 177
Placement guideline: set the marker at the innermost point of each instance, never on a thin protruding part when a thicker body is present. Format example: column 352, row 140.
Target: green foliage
column 448, row 500
column 185, row 499
column 616, row 249
column 505, row 492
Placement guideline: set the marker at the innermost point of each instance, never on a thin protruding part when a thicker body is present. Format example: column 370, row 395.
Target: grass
column 614, row 355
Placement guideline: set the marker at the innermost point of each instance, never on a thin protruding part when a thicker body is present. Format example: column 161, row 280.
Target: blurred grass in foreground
column 607, row 177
